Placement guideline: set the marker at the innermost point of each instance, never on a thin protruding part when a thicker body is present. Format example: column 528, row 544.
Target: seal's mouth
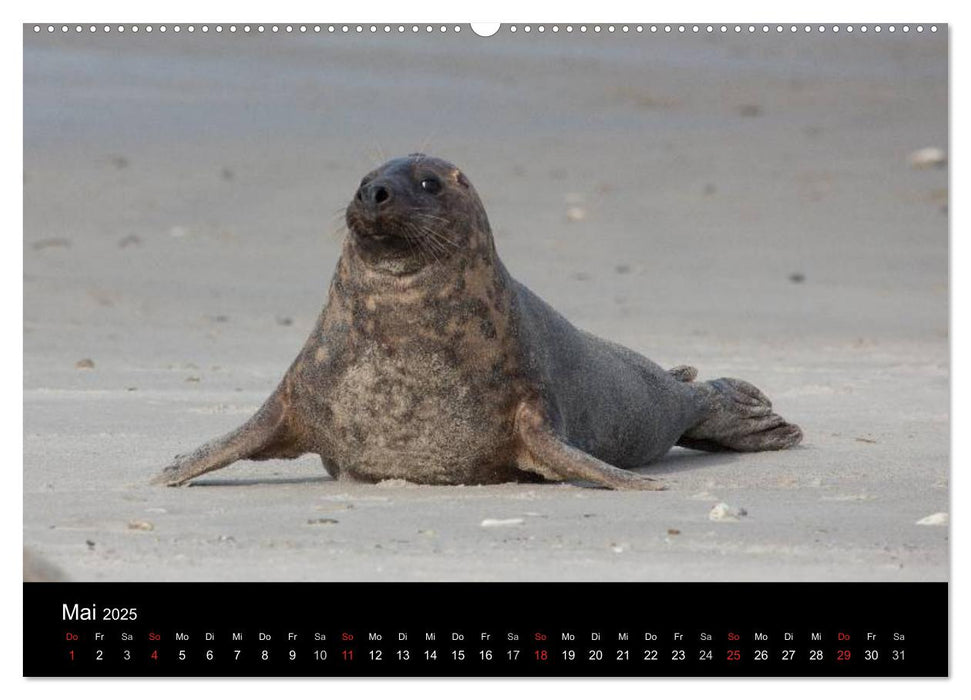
column 376, row 228
column 403, row 239
column 381, row 231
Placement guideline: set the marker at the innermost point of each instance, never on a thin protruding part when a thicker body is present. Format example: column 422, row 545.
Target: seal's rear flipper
column 264, row 436
column 545, row 454
column 740, row 418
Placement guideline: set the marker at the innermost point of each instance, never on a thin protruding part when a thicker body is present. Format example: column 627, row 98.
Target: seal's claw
column 780, row 437
column 170, row 476
column 684, row 373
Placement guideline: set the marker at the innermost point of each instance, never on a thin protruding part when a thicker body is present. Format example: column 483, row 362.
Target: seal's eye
column 431, row 185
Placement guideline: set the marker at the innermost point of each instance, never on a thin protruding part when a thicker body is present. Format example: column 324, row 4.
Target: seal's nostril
column 374, row 194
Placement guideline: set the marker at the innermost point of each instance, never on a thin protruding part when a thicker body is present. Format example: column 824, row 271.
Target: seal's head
column 415, row 212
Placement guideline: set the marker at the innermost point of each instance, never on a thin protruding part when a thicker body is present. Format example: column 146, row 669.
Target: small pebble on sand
column 140, row 525
column 322, row 521
column 51, row 243
column 86, row 363
column 924, row 158
column 507, row 522
column 576, row 213
column 726, row 513
column 934, row 519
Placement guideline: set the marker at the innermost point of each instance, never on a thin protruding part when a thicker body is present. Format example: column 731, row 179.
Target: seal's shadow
column 676, row 461
column 262, row 481
column 680, row 460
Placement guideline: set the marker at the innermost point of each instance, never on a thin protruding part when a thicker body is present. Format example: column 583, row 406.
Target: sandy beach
column 743, row 204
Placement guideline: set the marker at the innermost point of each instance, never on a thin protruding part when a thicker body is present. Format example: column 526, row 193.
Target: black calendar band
column 486, row 629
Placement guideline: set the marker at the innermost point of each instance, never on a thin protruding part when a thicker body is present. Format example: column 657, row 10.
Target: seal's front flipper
column 739, row 418
column 264, row 436
column 545, row 454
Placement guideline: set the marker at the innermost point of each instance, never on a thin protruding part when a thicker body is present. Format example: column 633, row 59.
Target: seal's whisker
column 428, row 141
column 439, row 251
column 439, row 237
column 376, row 152
column 431, row 238
column 445, row 240
column 434, row 229
column 431, row 217
column 438, row 243
column 433, row 245
column 437, row 222
column 415, row 237
column 339, row 232
column 412, row 246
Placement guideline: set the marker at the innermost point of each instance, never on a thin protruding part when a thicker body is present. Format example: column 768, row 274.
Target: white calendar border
column 826, row 11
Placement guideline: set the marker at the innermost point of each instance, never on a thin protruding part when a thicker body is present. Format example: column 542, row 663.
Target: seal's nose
column 375, row 194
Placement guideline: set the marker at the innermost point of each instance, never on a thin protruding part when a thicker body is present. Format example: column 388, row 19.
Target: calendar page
column 546, row 349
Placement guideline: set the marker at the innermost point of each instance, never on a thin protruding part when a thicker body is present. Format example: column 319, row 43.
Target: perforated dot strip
column 284, row 29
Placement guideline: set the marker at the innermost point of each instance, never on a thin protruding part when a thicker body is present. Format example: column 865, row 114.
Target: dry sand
column 741, row 204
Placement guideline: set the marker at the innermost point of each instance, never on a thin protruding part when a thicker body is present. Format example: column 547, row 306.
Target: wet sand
column 744, row 205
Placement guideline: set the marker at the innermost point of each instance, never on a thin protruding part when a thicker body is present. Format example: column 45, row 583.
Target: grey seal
column 430, row 363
